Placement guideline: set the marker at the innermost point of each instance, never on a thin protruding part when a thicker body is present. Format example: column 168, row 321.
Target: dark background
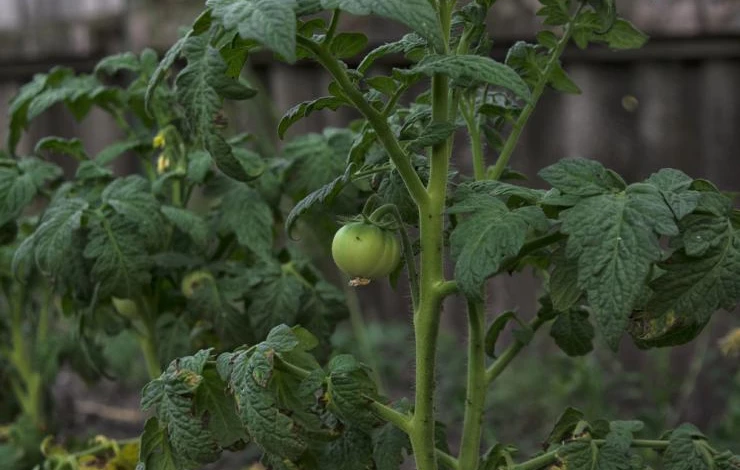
column 674, row 103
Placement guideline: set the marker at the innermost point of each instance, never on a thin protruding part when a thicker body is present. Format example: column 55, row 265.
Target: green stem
column 408, row 252
column 149, row 350
column 332, row 26
column 373, row 171
column 359, row 330
column 393, row 100
column 539, row 88
column 177, row 192
column 552, row 456
column 376, row 119
column 42, row 329
column 103, row 447
column 28, row 389
column 476, row 389
column 384, row 412
column 476, row 144
column 427, row 315
column 148, row 340
column 500, row 364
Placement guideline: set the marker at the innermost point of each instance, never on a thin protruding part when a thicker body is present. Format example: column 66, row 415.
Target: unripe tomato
column 125, row 307
column 193, row 281
column 365, row 251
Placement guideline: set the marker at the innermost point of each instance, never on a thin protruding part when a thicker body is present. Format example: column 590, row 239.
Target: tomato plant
column 233, row 319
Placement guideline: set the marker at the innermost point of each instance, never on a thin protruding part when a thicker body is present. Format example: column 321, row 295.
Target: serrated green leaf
column 193, row 89
column 419, row 15
column 18, row 188
column 563, row 282
column 389, row 443
column 345, row 45
column 120, row 263
column 579, row 455
column 495, row 329
column 272, row 22
column 191, row 442
column 565, row 425
column 161, row 71
column 302, row 110
column 473, row 70
column 352, row 451
column 615, row 239
column 91, row 170
column 53, row 243
column 406, row 44
column 212, row 400
column 699, row 278
column 275, row 300
column 622, row 35
column 321, row 196
column 238, row 163
column 573, row 333
column 490, row 235
column 155, row 452
column 547, row 39
column 271, row 429
column 675, row 187
column 581, row 177
column 188, row 222
column 59, row 145
column 316, row 160
column 113, row 151
column 555, row 12
column 247, row 215
column 131, row 198
column 115, row 63
column 18, row 107
column 668, row 329
column 433, row 134
column 687, row 450
column 348, row 387
column 560, row 81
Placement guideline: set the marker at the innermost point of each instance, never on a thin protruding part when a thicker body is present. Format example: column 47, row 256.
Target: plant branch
column 408, row 252
column 476, row 145
column 359, row 329
column 552, row 456
column 539, row 88
column 332, row 26
column 475, row 397
column 399, row 157
column 447, row 288
column 384, row 412
column 500, row 364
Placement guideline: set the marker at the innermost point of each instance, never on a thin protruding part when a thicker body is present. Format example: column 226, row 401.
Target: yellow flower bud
column 730, row 344
column 158, row 141
column 163, row 163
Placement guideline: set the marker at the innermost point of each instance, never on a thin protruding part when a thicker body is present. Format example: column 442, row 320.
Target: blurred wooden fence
column 686, row 85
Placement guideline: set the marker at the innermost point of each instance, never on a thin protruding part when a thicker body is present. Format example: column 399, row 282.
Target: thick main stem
column 427, row 315
column 476, row 388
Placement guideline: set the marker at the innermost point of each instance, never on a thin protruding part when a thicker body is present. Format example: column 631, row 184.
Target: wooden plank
column 717, row 101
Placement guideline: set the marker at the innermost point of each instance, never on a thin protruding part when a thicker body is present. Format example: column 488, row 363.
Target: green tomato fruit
column 365, row 251
column 193, row 281
column 125, row 307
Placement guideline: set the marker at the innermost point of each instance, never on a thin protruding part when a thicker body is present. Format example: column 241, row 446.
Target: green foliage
column 189, row 258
